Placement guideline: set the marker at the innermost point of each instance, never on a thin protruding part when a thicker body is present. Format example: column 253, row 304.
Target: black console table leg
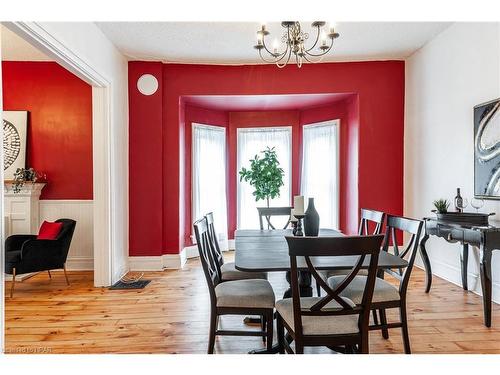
column 485, row 270
column 427, row 263
column 464, row 259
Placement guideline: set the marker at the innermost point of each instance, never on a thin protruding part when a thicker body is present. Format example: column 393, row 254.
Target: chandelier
column 293, row 42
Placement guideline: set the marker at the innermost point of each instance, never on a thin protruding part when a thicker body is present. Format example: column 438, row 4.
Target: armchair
column 25, row 253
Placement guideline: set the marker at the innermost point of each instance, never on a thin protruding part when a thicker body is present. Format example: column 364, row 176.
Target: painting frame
column 486, row 156
column 15, row 127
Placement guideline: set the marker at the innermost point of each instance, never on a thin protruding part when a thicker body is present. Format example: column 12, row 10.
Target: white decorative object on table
column 298, row 204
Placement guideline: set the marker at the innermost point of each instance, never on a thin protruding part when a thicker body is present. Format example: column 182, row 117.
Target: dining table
column 267, row 251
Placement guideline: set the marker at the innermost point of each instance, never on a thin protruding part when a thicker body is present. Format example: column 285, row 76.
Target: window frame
column 289, row 129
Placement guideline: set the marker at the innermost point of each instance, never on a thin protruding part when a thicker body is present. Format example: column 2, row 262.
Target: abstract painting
column 487, row 150
column 14, row 142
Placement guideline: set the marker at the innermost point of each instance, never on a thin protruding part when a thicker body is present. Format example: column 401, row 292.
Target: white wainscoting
column 81, row 253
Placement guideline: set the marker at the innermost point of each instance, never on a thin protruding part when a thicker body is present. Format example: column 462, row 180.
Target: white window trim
column 238, row 166
column 336, row 124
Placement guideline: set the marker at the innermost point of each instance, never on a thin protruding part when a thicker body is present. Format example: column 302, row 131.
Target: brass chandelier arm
column 316, row 41
column 278, row 57
column 287, row 60
column 263, row 59
column 323, row 53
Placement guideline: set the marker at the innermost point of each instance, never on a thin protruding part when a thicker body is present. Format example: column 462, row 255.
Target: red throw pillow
column 49, row 231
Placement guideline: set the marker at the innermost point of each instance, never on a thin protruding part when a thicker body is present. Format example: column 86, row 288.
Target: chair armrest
column 43, row 250
column 16, row 241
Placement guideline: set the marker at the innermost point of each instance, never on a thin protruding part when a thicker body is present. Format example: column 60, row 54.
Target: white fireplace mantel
column 22, row 208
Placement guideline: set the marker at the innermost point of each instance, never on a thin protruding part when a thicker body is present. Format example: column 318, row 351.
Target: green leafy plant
column 23, row 175
column 265, row 175
column 441, row 205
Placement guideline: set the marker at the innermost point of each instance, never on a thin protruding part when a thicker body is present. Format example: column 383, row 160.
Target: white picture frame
column 15, row 126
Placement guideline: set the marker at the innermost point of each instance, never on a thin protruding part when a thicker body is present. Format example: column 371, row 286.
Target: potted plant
column 441, row 205
column 265, row 175
column 23, row 175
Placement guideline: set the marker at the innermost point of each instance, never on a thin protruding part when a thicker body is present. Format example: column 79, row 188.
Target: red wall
column 146, row 164
column 59, row 127
column 377, row 110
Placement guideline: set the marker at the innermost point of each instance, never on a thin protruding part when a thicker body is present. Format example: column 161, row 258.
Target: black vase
column 311, row 219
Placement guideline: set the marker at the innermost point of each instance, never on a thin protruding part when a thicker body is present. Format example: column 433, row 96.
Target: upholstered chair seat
column 229, row 272
column 245, row 293
column 383, row 292
column 319, row 325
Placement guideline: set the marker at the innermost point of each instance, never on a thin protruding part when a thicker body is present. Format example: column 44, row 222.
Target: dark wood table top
column 267, row 251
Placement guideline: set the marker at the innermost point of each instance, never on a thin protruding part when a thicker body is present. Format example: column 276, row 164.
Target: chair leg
column 270, row 326
column 50, row 276
column 375, row 317
column 299, row 348
column 363, row 346
column 280, row 333
column 263, row 321
column 13, row 282
column 211, row 334
column 65, row 274
column 404, row 328
column 383, row 321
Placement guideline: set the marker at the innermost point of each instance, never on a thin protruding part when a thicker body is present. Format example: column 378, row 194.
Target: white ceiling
column 15, row 48
column 232, row 43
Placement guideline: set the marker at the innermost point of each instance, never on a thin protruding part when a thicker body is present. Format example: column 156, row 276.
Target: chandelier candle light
column 294, row 42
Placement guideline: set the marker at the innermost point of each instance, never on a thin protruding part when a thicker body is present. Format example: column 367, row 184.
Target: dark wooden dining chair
column 227, row 270
column 268, row 212
column 238, row 297
column 369, row 218
column 386, row 295
column 332, row 320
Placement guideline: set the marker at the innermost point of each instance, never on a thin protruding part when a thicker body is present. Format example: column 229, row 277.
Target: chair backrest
column 268, row 212
column 313, row 247
column 65, row 236
column 213, row 238
column 208, row 262
column 411, row 227
column 375, row 217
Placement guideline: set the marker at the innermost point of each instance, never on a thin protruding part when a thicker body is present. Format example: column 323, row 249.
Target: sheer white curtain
column 251, row 141
column 319, row 178
column 209, row 176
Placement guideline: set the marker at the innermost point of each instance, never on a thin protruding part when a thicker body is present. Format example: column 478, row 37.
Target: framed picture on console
column 15, row 125
column 487, row 150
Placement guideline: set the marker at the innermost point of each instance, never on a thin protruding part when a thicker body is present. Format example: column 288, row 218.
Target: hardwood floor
column 171, row 316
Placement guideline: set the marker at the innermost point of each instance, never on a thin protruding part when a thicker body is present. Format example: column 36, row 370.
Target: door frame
column 101, row 141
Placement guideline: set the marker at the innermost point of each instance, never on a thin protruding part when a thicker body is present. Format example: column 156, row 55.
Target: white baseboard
column 453, row 275
column 192, row 251
column 80, row 263
column 21, row 277
column 158, row 263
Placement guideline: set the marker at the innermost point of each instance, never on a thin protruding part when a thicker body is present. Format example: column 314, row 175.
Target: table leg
column 464, row 259
column 305, row 285
column 427, row 263
column 485, row 270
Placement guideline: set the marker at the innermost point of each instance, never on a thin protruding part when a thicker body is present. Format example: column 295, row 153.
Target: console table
column 486, row 238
